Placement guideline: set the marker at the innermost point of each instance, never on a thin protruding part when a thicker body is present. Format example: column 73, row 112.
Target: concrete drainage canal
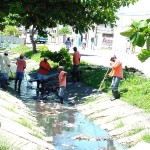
column 67, row 128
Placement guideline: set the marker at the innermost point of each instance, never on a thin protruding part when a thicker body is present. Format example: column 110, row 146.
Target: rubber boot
column 61, row 100
column 115, row 94
column 7, row 82
column 16, row 81
column 3, row 84
column 38, row 84
column 77, row 76
column 19, row 85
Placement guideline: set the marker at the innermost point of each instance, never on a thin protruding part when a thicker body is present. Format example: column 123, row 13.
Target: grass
column 146, row 138
column 90, row 99
column 120, row 125
column 78, row 97
column 116, row 118
column 134, row 131
column 28, row 52
column 10, row 108
column 5, row 144
column 134, row 89
column 34, row 131
column 25, row 122
column 37, row 134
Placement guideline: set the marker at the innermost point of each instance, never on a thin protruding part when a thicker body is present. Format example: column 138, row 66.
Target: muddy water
column 69, row 129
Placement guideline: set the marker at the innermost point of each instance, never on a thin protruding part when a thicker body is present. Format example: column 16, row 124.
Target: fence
column 10, row 41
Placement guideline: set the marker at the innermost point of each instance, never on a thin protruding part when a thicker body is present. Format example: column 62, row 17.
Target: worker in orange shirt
column 43, row 71
column 116, row 74
column 76, row 62
column 61, row 83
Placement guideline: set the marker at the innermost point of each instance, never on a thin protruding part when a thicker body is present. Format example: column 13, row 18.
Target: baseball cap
column 6, row 52
column 61, row 68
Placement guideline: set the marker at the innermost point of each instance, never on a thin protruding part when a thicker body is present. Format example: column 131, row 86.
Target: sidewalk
column 102, row 57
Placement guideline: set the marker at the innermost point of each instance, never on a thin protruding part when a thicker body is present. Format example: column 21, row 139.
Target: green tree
column 4, row 11
column 65, row 30
column 11, row 31
column 139, row 34
column 79, row 14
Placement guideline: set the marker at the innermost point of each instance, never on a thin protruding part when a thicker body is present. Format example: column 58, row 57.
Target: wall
column 10, row 41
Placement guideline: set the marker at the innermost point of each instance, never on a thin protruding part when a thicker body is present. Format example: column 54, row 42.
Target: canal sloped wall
column 18, row 126
column 124, row 123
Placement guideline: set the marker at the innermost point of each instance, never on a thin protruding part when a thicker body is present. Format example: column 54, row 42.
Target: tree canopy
column 64, row 30
column 11, row 31
column 79, row 14
column 139, row 34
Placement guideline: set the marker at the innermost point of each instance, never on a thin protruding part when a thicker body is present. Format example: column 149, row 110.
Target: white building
column 138, row 11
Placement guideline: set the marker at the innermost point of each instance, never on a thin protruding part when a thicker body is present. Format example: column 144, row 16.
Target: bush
column 11, row 31
column 62, row 57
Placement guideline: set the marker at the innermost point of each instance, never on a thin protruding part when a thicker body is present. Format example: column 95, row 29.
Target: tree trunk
column 34, row 46
column 32, row 39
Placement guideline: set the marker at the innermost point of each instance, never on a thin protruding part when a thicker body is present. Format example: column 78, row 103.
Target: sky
column 141, row 7
column 138, row 11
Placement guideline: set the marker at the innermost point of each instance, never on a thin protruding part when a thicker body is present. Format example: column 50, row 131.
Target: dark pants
column 18, row 84
column 115, row 83
column 75, row 73
column 18, row 80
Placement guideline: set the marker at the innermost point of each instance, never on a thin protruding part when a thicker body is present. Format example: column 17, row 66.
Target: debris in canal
column 69, row 125
column 89, row 138
column 48, row 139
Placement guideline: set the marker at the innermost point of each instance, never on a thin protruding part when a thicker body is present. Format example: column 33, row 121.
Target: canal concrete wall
column 124, row 123
column 18, row 126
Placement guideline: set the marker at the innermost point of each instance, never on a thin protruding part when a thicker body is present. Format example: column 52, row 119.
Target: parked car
column 41, row 39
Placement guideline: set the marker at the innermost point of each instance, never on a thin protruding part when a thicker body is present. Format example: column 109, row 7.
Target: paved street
column 101, row 57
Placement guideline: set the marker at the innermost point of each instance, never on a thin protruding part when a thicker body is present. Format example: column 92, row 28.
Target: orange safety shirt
column 62, row 78
column 76, row 58
column 44, row 65
column 116, row 69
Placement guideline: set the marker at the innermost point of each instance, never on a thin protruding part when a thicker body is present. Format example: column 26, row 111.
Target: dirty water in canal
column 69, row 129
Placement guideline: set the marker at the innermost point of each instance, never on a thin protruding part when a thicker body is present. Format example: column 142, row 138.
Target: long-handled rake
column 105, row 76
column 98, row 93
